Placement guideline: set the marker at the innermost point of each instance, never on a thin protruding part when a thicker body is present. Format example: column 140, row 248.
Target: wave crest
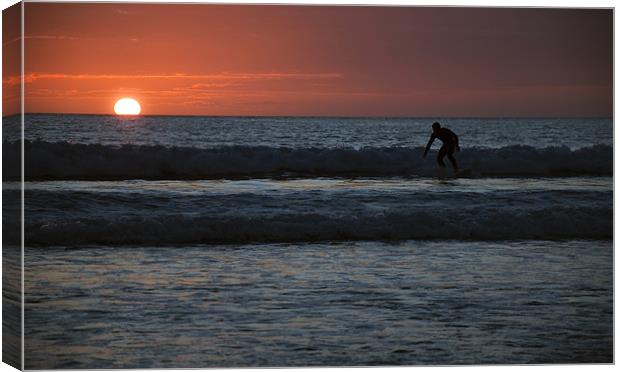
column 66, row 161
column 546, row 223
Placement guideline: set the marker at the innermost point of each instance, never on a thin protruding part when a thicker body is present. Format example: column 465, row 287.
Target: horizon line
column 331, row 116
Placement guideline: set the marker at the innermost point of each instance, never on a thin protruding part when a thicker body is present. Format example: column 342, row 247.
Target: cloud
column 41, row 37
column 227, row 77
column 220, row 76
column 182, row 90
column 11, row 41
column 51, row 37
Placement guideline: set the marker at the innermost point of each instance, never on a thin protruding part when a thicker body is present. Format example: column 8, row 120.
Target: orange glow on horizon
column 316, row 60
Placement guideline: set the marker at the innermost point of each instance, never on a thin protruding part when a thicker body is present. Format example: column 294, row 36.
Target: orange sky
column 11, row 60
column 324, row 61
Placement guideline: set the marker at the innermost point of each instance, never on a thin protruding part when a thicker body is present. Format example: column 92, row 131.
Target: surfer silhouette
column 450, row 144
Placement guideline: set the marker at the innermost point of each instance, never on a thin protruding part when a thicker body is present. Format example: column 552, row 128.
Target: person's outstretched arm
column 456, row 141
column 428, row 146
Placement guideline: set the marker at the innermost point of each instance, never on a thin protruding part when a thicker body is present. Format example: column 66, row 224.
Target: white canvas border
column 477, row 3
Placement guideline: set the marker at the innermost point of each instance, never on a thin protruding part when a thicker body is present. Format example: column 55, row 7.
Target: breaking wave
column 548, row 223
column 67, row 161
column 81, row 218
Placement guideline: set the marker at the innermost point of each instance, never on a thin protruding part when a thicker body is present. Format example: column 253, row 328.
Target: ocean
column 162, row 241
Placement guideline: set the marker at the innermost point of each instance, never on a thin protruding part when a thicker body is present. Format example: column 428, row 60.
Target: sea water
column 217, row 241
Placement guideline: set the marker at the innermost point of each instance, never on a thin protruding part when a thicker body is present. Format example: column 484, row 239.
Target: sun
column 127, row 106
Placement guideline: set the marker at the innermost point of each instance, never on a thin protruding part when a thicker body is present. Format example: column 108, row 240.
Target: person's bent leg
column 442, row 152
column 453, row 161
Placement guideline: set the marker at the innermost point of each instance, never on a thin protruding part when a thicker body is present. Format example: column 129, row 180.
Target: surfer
column 450, row 143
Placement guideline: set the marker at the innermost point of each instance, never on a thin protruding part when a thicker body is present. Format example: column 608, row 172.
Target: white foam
column 562, row 223
column 78, row 218
column 48, row 161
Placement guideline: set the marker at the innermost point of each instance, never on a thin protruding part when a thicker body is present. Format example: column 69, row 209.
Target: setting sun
column 127, row 106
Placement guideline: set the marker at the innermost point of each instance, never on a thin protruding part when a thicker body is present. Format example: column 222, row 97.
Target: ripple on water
column 348, row 303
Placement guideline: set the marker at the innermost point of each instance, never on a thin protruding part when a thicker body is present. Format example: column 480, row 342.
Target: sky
column 11, row 60
column 180, row 59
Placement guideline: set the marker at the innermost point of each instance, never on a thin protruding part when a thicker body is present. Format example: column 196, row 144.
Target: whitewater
column 207, row 180
column 168, row 212
column 64, row 161
column 279, row 241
